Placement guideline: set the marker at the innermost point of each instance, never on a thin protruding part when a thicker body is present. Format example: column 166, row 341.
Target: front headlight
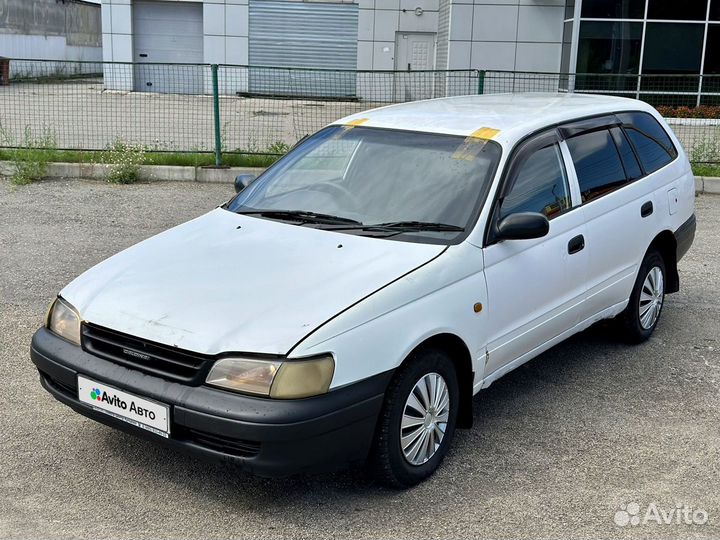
column 64, row 320
column 280, row 379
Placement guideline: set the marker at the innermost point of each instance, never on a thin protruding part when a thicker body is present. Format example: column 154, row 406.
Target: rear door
column 621, row 205
column 535, row 287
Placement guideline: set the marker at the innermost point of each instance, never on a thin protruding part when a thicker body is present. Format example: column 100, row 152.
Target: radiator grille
column 147, row 356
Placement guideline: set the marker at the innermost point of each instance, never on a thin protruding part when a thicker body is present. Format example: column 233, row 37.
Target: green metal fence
column 224, row 109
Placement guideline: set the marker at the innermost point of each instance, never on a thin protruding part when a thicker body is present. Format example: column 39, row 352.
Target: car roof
column 505, row 118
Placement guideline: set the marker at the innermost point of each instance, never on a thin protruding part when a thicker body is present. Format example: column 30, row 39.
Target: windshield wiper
column 302, row 216
column 404, row 226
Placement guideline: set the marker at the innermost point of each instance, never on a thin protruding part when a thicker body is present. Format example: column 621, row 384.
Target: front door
column 414, row 52
column 535, row 287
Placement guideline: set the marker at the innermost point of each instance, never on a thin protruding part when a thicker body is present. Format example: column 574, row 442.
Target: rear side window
column 597, row 164
column 652, row 143
column 627, row 155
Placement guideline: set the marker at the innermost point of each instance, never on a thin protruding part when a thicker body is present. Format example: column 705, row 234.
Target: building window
column 608, row 48
column 668, row 35
column 674, row 48
column 715, row 10
column 673, row 10
column 613, row 9
column 566, row 47
column 712, row 60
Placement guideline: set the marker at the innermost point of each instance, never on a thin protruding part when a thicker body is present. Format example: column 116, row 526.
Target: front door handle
column 646, row 209
column 576, row 244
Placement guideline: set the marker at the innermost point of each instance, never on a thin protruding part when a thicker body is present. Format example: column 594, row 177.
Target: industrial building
column 589, row 36
column 51, row 30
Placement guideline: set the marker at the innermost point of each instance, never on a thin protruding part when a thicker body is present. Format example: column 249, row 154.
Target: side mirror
column 523, row 226
column 242, row 181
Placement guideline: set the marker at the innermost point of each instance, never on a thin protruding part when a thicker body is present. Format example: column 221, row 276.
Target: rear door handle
column 646, row 209
column 576, row 244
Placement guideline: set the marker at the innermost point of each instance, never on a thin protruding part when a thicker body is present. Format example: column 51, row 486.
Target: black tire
column 630, row 320
column 387, row 461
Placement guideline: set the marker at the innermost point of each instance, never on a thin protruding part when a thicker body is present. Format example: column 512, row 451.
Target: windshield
column 407, row 185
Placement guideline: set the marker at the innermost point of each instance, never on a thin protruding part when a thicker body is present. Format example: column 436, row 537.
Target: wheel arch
column 666, row 244
column 458, row 352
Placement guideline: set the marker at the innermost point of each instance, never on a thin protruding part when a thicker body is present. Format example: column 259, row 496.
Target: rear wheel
column 646, row 301
column 417, row 423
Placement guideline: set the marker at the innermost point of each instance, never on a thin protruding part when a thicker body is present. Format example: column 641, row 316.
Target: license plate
column 143, row 413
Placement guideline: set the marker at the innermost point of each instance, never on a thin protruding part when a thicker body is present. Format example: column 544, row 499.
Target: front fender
column 377, row 334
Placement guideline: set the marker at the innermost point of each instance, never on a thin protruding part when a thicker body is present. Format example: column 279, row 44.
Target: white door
column 620, row 195
column 535, row 287
column 414, row 52
column 623, row 209
column 168, row 33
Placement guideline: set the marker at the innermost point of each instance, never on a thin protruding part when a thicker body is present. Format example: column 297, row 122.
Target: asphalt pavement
column 584, row 441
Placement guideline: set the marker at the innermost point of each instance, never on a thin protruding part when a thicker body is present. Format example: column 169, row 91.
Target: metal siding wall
column 441, row 51
column 302, row 35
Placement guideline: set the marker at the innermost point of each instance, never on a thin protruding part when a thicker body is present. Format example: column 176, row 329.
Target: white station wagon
column 347, row 305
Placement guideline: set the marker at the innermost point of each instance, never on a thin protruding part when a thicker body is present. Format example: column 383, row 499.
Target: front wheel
column 417, row 423
column 646, row 301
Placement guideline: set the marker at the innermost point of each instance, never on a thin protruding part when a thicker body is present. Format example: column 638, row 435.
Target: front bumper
column 267, row 437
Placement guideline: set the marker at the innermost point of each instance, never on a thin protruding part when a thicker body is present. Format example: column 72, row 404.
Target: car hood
column 227, row 282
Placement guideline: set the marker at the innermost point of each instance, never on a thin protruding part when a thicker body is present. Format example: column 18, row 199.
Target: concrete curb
column 707, row 184
column 148, row 173
column 170, row 173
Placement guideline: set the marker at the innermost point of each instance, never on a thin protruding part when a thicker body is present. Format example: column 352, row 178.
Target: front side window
column 652, row 143
column 364, row 177
column 540, row 185
column 597, row 164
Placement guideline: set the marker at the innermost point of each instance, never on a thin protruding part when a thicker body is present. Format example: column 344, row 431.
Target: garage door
column 303, row 35
column 168, row 32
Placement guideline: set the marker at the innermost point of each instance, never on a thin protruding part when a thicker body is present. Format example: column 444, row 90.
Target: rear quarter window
column 652, row 143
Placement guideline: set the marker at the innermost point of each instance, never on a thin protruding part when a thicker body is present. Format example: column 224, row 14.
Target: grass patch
column 706, row 170
column 124, row 160
column 705, row 157
column 185, row 159
column 30, row 162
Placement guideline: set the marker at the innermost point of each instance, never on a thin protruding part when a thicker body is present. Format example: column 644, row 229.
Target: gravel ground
column 558, row 445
